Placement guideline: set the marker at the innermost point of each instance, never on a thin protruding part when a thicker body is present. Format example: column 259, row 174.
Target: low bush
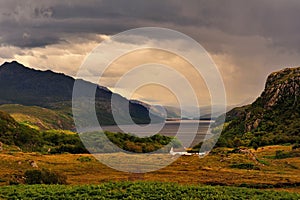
column 244, row 166
column 33, row 177
column 296, row 146
column 84, row 159
column 44, row 176
column 263, row 162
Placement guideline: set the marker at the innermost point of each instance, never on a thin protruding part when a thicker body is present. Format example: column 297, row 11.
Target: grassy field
column 139, row 190
column 256, row 170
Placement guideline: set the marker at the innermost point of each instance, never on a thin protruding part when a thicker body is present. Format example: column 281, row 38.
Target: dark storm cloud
column 247, row 39
column 49, row 22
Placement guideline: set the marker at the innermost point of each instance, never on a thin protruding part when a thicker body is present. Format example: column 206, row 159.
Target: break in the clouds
column 246, row 39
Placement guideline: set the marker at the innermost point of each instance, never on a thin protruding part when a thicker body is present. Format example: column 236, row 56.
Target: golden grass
column 212, row 169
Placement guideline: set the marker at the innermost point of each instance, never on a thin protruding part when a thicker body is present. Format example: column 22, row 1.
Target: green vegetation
column 96, row 142
column 139, row 190
column 84, row 159
column 278, row 126
column 244, row 166
column 59, row 142
column 56, row 141
column 263, row 162
column 280, row 154
column 38, row 117
column 13, row 133
column 27, row 139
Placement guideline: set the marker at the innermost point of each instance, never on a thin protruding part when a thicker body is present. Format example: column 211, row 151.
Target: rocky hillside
column 274, row 118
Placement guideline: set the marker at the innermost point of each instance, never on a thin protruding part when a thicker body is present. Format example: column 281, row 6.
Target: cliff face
column 282, row 87
column 281, row 93
column 273, row 118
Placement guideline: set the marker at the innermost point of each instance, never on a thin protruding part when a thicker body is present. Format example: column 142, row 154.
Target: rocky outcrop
column 282, row 89
column 281, row 86
column 33, row 164
column 276, row 112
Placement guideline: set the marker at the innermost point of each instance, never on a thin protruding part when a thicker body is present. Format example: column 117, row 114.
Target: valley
column 258, row 148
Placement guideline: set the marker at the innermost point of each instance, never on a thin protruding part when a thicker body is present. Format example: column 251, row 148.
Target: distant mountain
column 30, row 87
column 190, row 112
column 173, row 112
column 274, row 118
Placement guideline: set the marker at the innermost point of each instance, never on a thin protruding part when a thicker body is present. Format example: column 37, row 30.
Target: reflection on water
column 191, row 130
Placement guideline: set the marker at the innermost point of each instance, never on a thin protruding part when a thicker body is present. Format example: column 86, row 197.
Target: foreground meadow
column 269, row 168
column 138, row 190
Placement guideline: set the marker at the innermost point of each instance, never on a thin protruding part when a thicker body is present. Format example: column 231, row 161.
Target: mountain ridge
column 30, row 87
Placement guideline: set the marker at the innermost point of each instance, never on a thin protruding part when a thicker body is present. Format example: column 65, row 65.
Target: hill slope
column 13, row 133
column 38, row 117
column 22, row 85
column 274, row 118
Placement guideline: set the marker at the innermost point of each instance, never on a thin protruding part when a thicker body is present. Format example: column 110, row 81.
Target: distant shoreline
column 191, row 120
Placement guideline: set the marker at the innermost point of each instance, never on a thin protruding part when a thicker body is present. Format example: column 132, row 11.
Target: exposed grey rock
column 33, row 164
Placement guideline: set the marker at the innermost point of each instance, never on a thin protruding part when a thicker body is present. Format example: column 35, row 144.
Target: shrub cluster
column 44, row 176
column 96, row 142
column 244, row 166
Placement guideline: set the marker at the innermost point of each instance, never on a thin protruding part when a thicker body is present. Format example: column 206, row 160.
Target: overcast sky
column 246, row 39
